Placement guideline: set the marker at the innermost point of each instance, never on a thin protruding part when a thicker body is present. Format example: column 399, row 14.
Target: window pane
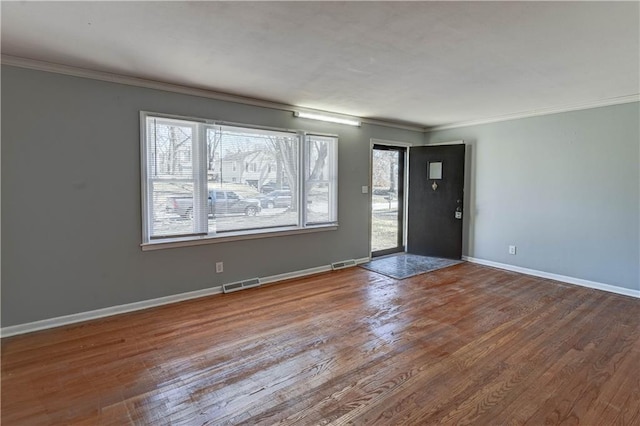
column 170, row 177
column 252, row 178
column 385, row 213
column 321, row 179
column 201, row 178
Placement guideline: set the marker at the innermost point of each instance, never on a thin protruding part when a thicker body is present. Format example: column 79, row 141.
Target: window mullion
column 200, row 193
column 302, row 179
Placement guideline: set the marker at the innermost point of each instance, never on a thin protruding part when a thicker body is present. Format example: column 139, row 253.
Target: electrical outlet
column 219, row 267
column 512, row 249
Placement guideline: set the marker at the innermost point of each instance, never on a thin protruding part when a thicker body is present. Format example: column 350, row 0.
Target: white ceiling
column 427, row 63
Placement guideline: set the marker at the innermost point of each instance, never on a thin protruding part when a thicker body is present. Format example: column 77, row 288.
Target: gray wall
column 563, row 188
column 71, row 199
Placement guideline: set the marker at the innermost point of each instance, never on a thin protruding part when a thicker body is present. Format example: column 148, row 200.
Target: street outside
column 384, row 218
column 167, row 223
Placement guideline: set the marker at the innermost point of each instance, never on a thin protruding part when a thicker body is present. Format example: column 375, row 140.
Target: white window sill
column 232, row 236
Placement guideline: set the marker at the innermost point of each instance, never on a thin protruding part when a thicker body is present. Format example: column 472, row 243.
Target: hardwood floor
column 464, row 345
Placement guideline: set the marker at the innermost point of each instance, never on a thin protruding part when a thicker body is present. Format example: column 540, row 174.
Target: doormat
column 405, row 265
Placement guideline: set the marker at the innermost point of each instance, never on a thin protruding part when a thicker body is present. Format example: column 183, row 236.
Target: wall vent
column 343, row 264
column 241, row 285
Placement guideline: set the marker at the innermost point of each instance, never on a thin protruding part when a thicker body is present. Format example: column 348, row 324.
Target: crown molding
column 136, row 81
column 543, row 111
column 393, row 124
column 205, row 93
column 33, row 64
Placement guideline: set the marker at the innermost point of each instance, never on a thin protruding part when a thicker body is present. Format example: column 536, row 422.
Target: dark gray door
column 436, row 185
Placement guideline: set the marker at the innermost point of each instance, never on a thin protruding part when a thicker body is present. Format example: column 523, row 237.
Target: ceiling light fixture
column 329, row 118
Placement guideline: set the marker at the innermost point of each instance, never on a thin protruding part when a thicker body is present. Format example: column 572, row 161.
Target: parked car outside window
column 220, row 203
column 272, row 186
column 277, row 198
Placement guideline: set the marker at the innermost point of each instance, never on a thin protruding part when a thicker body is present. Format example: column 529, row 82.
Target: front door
column 436, row 189
column 387, row 199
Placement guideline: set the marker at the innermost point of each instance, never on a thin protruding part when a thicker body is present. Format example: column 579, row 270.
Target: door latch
column 458, row 212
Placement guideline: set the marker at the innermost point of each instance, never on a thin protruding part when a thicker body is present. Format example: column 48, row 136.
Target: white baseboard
column 303, row 273
column 295, row 274
column 556, row 277
column 105, row 312
column 145, row 304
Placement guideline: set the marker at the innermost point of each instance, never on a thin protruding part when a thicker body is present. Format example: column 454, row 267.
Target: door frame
column 405, row 182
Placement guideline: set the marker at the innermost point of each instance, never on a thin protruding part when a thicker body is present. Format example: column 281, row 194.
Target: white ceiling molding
column 395, row 125
column 544, row 111
column 134, row 81
column 176, row 88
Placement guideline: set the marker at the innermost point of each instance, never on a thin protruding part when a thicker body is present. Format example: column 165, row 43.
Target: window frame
column 151, row 242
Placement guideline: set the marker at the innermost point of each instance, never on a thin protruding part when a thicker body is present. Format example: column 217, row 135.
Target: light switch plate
column 365, row 189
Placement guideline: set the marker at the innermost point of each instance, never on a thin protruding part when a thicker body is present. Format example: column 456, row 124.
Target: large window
column 202, row 179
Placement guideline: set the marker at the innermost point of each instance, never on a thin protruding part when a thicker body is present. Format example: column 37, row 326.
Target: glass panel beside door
column 387, row 200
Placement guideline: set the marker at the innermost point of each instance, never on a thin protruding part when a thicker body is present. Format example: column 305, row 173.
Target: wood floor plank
column 480, row 363
column 466, row 344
